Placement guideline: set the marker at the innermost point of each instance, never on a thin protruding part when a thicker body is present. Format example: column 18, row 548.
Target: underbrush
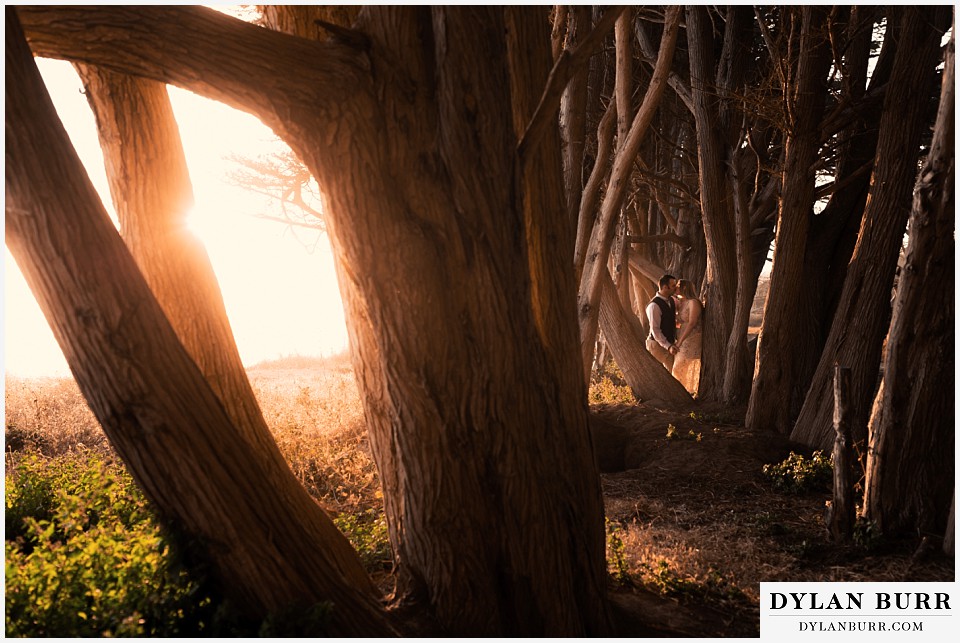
column 85, row 556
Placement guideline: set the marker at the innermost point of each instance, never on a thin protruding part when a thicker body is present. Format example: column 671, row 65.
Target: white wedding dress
column 686, row 365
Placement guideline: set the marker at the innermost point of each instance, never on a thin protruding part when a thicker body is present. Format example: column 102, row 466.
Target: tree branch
column 679, row 86
column 568, row 63
column 199, row 49
column 653, row 238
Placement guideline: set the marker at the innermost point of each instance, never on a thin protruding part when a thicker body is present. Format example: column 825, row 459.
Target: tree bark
column 573, row 119
column 598, row 250
column 152, row 401
column 720, row 286
column 910, row 462
column 649, row 381
column 773, row 401
column 862, row 318
column 842, row 512
column 462, row 328
column 151, row 191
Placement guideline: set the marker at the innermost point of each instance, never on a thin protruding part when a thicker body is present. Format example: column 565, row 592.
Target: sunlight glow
column 279, row 285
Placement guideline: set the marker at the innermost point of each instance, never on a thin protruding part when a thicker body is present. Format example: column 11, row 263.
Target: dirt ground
column 700, row 502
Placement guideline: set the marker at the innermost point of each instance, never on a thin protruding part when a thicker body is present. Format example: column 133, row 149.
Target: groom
column 662, row 314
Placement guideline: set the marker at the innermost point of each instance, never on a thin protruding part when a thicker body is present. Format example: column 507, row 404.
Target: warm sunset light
column 278, row 282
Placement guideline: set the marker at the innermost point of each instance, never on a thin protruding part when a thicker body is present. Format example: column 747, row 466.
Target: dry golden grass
column 710, row 542
column 312, row 407
column 50, row 416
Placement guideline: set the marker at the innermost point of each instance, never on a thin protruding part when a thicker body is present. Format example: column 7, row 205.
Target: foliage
column 797, row 474
column 616, row 554
column 867, row 534
column 605, row 391
column 84, row 556
column 667, row 581
column 367, row 532
column 608, row 386
column 673, row 434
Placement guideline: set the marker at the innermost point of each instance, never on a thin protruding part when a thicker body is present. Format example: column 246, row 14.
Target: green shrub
column 84, row 556
column 797, row 474
column 605, row 391
column 367, row 532
column 617, row 554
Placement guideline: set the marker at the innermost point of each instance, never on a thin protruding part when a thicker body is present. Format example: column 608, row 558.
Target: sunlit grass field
column 86, row 557
column 62, row 476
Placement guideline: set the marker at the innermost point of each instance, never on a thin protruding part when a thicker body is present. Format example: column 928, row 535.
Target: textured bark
column 773, row 402
column 720, row 285
column 862, row 318
column 151, row 192
column 598, row 249
column 573, row 119
column 842, row 511
column 649, row 381
column 151, row 399
column 910, row 462
column 462, row 327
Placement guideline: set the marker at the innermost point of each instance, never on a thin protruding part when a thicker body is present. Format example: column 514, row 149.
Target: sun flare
column 278, row 284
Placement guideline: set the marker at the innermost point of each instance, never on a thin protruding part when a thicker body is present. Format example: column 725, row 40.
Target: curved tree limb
column 198, row 49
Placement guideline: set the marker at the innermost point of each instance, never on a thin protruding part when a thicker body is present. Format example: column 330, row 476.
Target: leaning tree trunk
column 720, row 285
column 220, row 488
column 649, row 381
column 862, row 318
column 774, row 402
column 457, row 287
column 150, row 186
column 910, row 462
column 601, row 237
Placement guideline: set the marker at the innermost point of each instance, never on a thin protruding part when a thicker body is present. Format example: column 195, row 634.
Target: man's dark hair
column 665, row 280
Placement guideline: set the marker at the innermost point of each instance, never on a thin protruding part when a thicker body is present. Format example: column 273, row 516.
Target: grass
column 688, row 541
column 313, row 409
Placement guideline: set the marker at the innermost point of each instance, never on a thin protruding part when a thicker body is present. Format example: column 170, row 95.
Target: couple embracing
column 676, row 330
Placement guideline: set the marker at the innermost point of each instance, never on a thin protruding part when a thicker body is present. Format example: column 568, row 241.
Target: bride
column 686, row 365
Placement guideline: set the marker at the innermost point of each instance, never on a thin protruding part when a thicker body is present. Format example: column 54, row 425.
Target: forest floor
column 694, row 525
column 702, row 525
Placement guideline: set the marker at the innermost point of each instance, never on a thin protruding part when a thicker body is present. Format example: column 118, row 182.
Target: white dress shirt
column 653, row 315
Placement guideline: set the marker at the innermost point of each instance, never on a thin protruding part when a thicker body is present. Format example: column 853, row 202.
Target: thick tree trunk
column 159, row 412
column 151, row 192
column 910, row 462
column 862, row 318
column 462, row 327
column 573, row 119
column 649, row 381
column 831, row 237
column 720, row 286
column 773, row 401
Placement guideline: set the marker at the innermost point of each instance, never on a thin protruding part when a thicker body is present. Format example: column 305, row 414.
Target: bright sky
column 282, row 299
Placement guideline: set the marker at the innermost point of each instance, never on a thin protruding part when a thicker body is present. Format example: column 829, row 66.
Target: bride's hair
column 686, row 289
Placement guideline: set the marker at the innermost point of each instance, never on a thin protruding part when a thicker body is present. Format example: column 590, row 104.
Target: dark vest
column 668, row 317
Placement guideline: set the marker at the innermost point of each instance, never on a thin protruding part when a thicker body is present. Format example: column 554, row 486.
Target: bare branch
column 568, row 63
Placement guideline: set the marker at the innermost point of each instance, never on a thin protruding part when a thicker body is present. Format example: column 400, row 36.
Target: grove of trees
column 502, row 187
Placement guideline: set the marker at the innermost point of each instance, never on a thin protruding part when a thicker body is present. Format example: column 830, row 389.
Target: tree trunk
column 151, row 191
column 862, row 318
column 773, row 401
column 720, row 286
column 910, row 462
column 457, row 290
column 598, row 250
column 573, row 119
column 165, row 421
column 649, row 381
